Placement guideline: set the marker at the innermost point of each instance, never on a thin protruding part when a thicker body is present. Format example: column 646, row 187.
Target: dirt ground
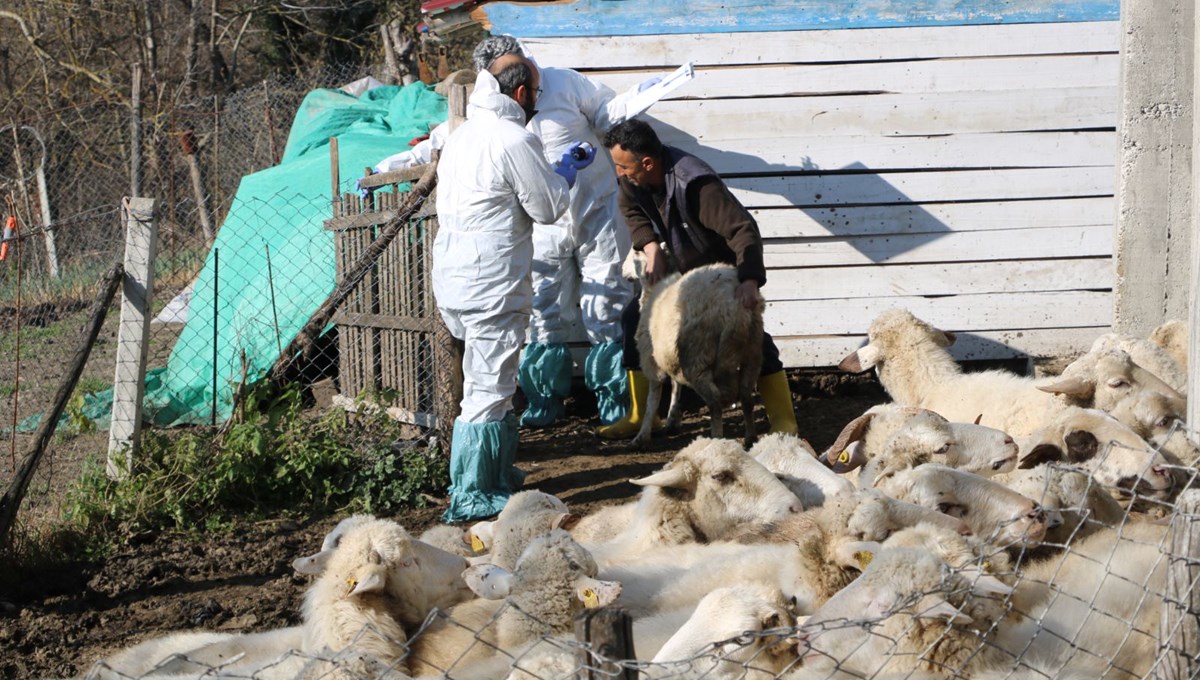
column 61, row 621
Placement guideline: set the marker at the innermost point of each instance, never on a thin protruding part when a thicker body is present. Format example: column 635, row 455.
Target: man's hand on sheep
column 747, row 293
column 656, row 263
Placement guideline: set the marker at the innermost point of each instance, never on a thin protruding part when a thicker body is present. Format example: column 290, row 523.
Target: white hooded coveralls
column 493, row 184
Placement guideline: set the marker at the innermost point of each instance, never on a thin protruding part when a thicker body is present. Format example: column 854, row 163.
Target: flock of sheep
column 983, row 525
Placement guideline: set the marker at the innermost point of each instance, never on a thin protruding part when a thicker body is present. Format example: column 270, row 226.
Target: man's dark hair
column 513, row 76
column 635, row 136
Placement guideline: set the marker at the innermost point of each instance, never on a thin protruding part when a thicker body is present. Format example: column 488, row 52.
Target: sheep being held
column 694, row 331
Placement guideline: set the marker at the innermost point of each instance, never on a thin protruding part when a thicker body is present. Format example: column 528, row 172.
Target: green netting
column 281, row 210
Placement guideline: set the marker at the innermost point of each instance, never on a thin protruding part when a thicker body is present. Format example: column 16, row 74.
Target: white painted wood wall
column 965, row 173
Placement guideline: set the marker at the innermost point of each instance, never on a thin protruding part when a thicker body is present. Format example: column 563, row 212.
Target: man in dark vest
column 670, row 196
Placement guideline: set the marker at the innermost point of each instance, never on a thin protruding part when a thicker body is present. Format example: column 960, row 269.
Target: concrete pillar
column 1153, row 239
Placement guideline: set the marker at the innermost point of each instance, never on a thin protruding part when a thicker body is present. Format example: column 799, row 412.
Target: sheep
column 525, row 515
column 992, row 510
column 378, row 584
column 1102, row 377
column 694, row 331
column 891, row 436
column 1098, row 444
column 907, row 612
column 1153, row 417
column 709, row 490
column 315, row 563
column 553, row 581
column 1080, row 504
column 1172, row 335
column 728, row 635
column 449, row 538
column 916, row 370
column 1148, row 355
column 795, row 463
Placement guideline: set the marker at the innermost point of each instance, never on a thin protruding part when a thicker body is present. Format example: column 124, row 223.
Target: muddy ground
column 60, row 621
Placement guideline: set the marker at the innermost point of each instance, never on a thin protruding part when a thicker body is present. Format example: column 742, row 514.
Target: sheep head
column 1100, row 379
column 890, row 332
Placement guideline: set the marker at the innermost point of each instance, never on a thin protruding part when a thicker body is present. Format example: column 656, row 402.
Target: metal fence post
column 133, row 335
column 607, row 633
column 1179, row 621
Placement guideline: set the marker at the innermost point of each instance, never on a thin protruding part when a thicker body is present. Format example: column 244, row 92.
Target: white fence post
column 133, row 335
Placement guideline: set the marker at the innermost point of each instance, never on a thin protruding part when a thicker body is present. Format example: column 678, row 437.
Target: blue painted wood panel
column 580, row 18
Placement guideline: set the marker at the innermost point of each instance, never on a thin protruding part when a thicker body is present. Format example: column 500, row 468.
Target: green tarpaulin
column 281, row 209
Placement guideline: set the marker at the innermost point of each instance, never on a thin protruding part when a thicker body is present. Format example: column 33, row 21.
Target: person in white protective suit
column 493, row 184
column 577, row 259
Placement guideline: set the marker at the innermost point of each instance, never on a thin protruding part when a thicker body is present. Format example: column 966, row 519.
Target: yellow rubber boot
column 627, row 427
column 777, row 398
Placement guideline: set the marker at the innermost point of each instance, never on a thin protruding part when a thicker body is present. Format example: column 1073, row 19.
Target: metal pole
column 271, row 285
column 216, row 298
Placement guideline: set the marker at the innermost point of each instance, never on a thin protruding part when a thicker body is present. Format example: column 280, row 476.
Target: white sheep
column 1105, row 375
column 378, row 584
column 525, row 516
column 554, row 580
column 1172, row 335
column 734, row 632
column 450, row 538
column 1110, row 452
column 907, row 612
column 1081, row 504
column 795, row 463
column 315, row 563
column 1155, row 418
column 917, row 370
column 711, row 489
column 993, row 511
column 1148, row 355
column 891, row 436
column 694, row 331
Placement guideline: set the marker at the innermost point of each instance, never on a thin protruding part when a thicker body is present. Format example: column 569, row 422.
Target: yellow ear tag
column 476, row 544
column 987, row 567
column 844, row 457
column 590, row 599
column 352, row 582
column 863, row 557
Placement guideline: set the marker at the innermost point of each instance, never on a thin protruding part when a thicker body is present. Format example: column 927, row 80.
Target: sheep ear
column 851, row 458
column 593, row 593
column 565, row 520
column 978, row 418
column 862, row 359
column 373, row 582
column 1072, row 387
column 1081, row 445
column 856, row 554
column 481, row 535
column 667, row 478
column 313, row 564
column 945, row 611
column 852, row 432
column 1042, row 453
column 947, row 339
column 488, row 581
column 985, row 584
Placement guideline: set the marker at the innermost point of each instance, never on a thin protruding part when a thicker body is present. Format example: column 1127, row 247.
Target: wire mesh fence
column 239, row 264
column 1107, row 598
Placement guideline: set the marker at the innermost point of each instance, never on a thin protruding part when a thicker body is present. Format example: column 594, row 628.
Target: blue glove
column 362, row 192
column 577, row 157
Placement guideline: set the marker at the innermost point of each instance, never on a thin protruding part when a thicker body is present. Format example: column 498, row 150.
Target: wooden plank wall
column 963, row 172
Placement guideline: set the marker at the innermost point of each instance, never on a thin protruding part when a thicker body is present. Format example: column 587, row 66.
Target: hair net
column 491, row 48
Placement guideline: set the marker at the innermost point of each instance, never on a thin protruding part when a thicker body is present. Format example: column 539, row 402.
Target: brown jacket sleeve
column 720, row 212
column 641, row 229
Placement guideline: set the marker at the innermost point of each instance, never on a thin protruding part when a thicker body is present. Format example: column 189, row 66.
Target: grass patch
column 278, row 462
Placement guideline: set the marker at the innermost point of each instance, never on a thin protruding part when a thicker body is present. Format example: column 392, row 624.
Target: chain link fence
column 1113, row 598
column 237, row 272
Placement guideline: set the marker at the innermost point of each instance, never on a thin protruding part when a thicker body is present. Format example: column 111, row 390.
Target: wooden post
column 135, row 133
column 133, row 335
column 47, row 225
column 335, row 176
column 1179, row 620
column 1193, row 407
column 187, row 141
column 607, row 634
